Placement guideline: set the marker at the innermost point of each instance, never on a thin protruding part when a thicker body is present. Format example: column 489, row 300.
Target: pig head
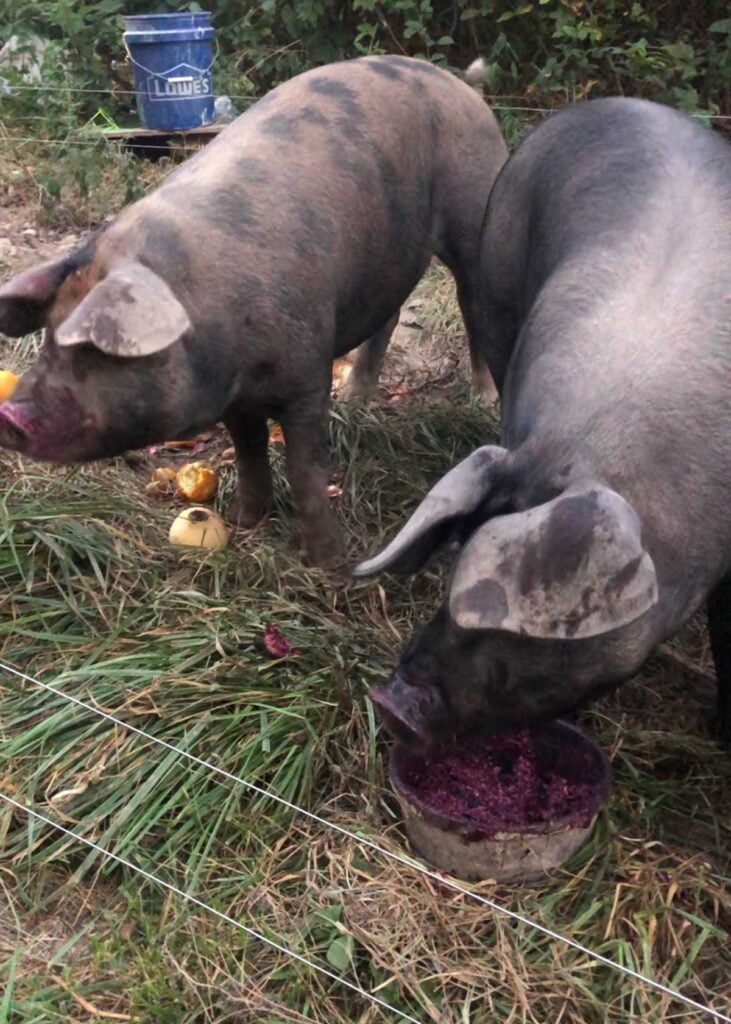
column 547, row 606
column 114, row 331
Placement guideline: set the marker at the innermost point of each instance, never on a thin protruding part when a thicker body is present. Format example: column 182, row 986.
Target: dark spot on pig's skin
column 393, row 193
column 311, row 231
column 163, row 251
column 339, row 92
column 487, row 598
column 567, row 537
column 252, row 170
column 283, row 125
column 106, row 327
column 619, row 580
column 230, row 210
column 354, row 163
column 313, row 116
column 418, row 66
column 385, row 69
column 557, row 552
column 529, row 571
column 227, row 209
column 122, row 292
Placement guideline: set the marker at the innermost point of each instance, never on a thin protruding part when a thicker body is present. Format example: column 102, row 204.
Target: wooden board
column 154, row 133
column 153, row 144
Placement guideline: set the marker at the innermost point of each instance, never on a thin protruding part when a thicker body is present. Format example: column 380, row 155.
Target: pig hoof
column 354, row 393
column 324, row 552
column 245, row 515
column 484, row 386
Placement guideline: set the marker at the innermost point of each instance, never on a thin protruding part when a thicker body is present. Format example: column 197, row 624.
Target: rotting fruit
column 197, row 481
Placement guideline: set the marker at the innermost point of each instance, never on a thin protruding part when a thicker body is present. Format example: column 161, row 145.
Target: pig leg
column 482, row 381
column 719, row 627
column 363, row 380
column 305, row 435
column 253, row 497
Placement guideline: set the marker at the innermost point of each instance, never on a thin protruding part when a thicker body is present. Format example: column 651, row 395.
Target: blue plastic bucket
column 172, row 57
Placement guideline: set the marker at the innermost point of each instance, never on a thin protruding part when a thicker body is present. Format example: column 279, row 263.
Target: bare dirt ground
column 23, row 241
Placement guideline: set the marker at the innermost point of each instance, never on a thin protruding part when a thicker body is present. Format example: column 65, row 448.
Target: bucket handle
column 161, row 74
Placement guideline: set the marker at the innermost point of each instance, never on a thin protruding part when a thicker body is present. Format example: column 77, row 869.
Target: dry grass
column 92, row 598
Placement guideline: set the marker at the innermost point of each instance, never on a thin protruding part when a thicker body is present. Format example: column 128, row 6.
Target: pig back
column 326, row 199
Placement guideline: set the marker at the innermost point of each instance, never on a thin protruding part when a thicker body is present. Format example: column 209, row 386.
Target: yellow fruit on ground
column 197, row 481
column 164, row 474
column 158, row 489
column 199, row 528
column 8, row 383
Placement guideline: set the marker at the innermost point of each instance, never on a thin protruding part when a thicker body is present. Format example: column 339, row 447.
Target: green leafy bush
column 539, row 51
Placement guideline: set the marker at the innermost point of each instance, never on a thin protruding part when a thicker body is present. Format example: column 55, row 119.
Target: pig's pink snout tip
column 13, row 424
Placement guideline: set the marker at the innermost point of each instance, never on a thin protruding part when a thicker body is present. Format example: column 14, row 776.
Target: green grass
column 93, row 599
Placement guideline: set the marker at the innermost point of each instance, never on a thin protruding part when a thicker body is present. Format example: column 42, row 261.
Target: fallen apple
column 199, row 528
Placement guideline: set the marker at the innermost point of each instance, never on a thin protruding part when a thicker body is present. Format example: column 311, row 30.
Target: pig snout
column 14, row 422
column 411, row 714
column 53, row 431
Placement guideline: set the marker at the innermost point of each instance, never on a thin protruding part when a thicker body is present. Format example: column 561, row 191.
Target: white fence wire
column 189, row 897
column 248, row 98
column 399, row 858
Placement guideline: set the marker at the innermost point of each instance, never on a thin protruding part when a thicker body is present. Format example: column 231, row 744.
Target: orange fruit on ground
column 197, row 481
column 8, row 383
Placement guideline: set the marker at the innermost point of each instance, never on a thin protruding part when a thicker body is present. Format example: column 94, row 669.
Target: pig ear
column 131, row 312
column 459, row 493
column 572, row 568
column 26, row 298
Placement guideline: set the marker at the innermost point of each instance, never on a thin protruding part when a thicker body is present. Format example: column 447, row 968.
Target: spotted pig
column 227, row 292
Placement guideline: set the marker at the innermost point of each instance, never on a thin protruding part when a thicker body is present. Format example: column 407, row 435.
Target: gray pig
column 228, row 291
column 603, row 521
